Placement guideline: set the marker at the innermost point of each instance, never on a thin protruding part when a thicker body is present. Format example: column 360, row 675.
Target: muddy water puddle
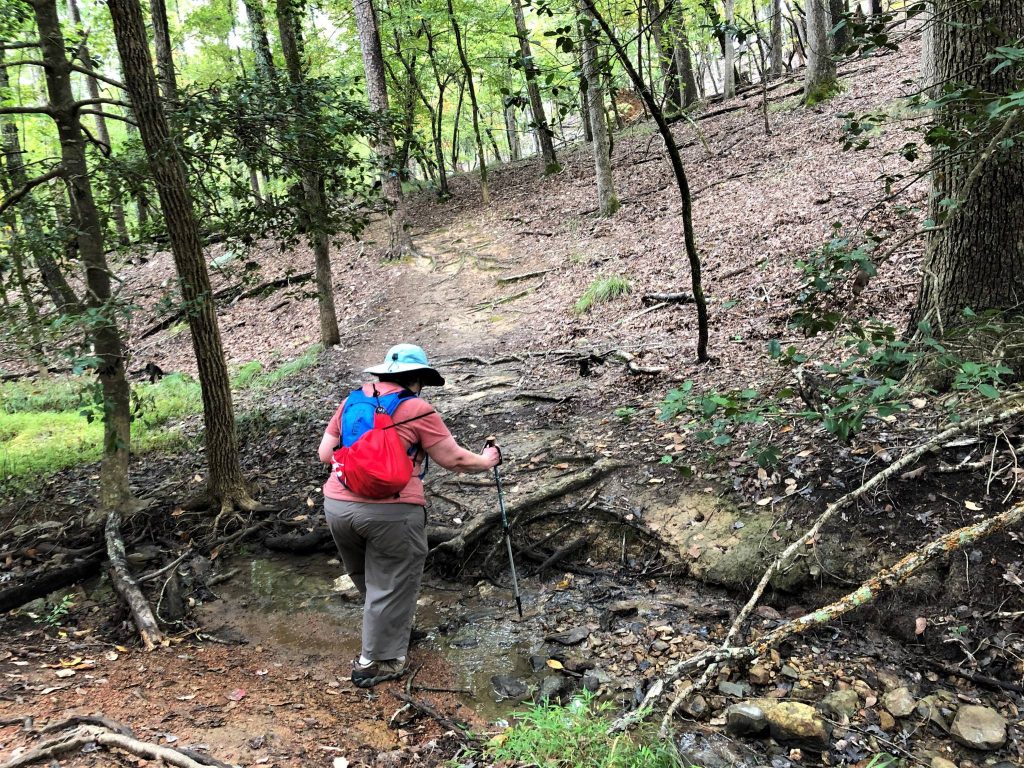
column 292, row 604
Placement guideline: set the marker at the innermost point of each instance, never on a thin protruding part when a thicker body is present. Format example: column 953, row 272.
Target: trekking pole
column 491, row 442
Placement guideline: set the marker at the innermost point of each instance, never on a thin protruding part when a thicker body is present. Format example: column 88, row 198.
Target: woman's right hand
column 492, row 455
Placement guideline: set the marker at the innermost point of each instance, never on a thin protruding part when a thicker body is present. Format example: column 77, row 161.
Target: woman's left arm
column 327, row 445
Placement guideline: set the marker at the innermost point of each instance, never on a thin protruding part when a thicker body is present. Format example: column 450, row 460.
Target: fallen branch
column 680, row 297
column 49, row 581
column 632, row 365
column 476, row 528
column 560, row 554
column 524, row 276
column 126, row 587
column 459, row 729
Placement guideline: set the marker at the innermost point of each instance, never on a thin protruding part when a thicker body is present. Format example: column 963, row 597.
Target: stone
column 888, row 679
column 550, row 688
column 843, row 703
column 788, row 670
column 570, row 636
column 595, row 678
column 390, row 759
column 979, row 727
column 759, row 675
column 799, row 724
column 660, row 646
column 900, row 702
column 624, row 607
column 711, row 749
column 886, row 721
column 736, row 690
column 745, row 719
column 695, row 707
column 508, row 687
column 941, row 762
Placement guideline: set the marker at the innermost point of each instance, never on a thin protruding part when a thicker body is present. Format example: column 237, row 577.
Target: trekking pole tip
column 519, row 605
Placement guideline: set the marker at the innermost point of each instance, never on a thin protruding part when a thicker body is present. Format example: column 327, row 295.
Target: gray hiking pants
column 383, row 547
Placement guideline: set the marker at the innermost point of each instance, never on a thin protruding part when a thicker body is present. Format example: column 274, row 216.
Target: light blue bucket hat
column 408, row 357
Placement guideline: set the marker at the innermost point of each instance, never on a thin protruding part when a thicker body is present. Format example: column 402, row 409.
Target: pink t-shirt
column 423, row 432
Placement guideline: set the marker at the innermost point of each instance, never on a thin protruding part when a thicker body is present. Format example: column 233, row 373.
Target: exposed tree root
column 868, row 592
column 460, row 730
column 126, row 586
column 475, row 529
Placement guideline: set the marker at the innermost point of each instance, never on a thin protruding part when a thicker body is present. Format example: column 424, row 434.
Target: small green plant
column 603, row 290
column 827, row 268
column 625, row 413
column 59, row 611
column 576, row 736
column 246, row 375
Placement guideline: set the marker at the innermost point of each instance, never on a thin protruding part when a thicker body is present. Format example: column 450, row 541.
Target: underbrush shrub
column 603, row 290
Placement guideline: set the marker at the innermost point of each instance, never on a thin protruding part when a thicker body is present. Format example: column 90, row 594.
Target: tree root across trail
column 84, row 731
column 711, row 659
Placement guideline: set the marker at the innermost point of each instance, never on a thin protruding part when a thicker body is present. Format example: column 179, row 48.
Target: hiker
column 383, row 541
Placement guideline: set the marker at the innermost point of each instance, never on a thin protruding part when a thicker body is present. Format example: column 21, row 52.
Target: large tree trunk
column 729, row 65
column 607, row 202
column 820, row 78
column 162, row 47
column 485, row 193
column 265, row 69
column 547, row 145
column 226, row 481
column 775, row 68
column 377, row 94
column 85, row 219
column 312, row 184
column 93, row 85
column 975, row 255
column 841, row 38
column 683, row 60
column 666, row 59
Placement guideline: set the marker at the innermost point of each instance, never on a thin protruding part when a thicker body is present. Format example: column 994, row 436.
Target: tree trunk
column 729, row 61
column 226, row 481
column 820, row 78
column 841, row 37
column 975, row 255
column 312, row 184
column 162, row 47
column 455, row 126
column 85, row 220
column 683, row 60
column 485, row 193
column 607, row 202
column 377, row 93
column 547, row 146
column 265, row 68
column 102, row 134
column 512, row 131
column 775, row 68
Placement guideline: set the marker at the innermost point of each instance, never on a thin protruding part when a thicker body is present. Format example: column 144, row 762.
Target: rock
column 345, row 587
column 745, row 719
column 570, row 636
column 539, row 663
column 979, row 727
column 935, row 709
column 714, row 750
column 696, row 707
column 508, row 687
column 900, row 702
column 886, row 721
column 759, row 675
column 624, row 607
column 550, row 688
column 767, row 612
column 660, row 646
column 843, row 703
column 888, row 679
column 390, row 759
column 736, row 690
column 788, row 670
column 941, row 762
column 595, row 678
column 798, row 724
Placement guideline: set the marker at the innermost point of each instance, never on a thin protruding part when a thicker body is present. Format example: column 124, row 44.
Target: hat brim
column 429, row 376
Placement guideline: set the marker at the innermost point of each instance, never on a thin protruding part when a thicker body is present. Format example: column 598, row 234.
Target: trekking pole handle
column 492, row 442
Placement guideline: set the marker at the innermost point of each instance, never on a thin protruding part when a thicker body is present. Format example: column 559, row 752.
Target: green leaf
column 989, row 391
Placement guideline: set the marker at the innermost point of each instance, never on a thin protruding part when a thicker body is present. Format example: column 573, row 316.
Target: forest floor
column 650, row 556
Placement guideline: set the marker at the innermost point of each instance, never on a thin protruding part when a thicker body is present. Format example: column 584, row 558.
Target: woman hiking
column 381, row 535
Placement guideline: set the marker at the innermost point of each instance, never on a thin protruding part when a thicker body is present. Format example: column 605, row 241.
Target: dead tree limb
column 561, row 553
column 680, row 297
column 475, row 529
column 524, row 276
column 51, row 749
column 49, row 581
column 461, row 730
column 126, row 587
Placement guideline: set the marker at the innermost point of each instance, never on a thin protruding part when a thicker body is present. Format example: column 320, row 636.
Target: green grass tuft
column 603, row 290
column 246, row 375
column 576, row 736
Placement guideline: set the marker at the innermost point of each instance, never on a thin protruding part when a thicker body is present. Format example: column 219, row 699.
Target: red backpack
column 371, row 460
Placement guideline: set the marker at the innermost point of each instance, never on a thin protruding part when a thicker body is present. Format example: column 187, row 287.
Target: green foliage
column 576, row 736
column 246, row 375
column 823, row 272
column 250, row 375
column 59, row 611
column 625, row 413
column 824, row 92
column 603, row 290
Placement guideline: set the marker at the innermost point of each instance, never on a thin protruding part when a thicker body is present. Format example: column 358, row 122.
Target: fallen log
column 125, row 586
column 49, row 581
column 476, row 528
column 678, row 297
column 301, row 543
column 524, row 276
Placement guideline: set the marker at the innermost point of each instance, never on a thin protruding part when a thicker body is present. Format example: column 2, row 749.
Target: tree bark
column 226, row 483
column 666, row 59
column 485, row 193
column 775, row 68
column 512, row 130
column 820, row 78
column 687, row 82
column 840, row 39
column 544, row 136
column 729, row 64
column 312, row 182
column 162, row 47
column 377, row 93
column 85, row 220
column 975, row 257
column 265, row 68
column 607, row 202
